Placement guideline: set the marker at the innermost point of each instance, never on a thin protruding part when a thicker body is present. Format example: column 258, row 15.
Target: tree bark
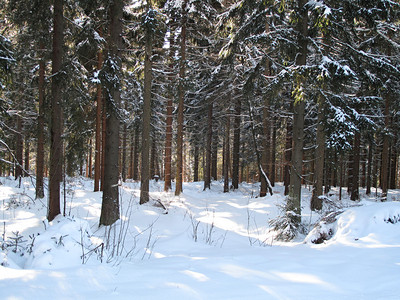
column 19, row 146
column 294, row 197
column 356, row 168
column 98, row 142
column 227, row 154
column 40, row 131
column 135, row 158
column 56, row 145
column 181, row 98
column 236, row 144
column 110, row 204
column 369, row 167
column 316, row 201
column 196, row 162
column 288, row 155
column 385, row 151
column 146, row 119
column 207, row 171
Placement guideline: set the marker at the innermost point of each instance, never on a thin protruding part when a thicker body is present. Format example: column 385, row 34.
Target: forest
column 300, row 92
column 187, row 142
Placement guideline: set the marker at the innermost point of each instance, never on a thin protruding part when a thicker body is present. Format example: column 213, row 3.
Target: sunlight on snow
column 303, row 278
column 10, row 273
column 196, row 275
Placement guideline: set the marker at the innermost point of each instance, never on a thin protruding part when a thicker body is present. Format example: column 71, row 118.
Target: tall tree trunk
column 369, row 167
column 294, row 197
column 385, row 151
column 135, row 172
column 266, row 149
column 273, row 152
column 153, row 159
column 393, row 165
column 236, row 144
column 181, row 98
column 103, row 145
column 124, row 155
column 19, row 146
column 40, row 131
column 214, row 155
column 316, row 201
column 227, row 154
column 169, row 119
column 146, row 119
column 27, row 153
column 288, row 154
column 356, row 168
column 207, row 171
column 110, row 204
column 196, row 161
column 56, row 145
column 98, row 135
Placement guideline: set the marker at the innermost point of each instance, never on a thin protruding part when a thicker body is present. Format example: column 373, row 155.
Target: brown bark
column 40, row 132
column 135, row 172
column 181, row 98
column 236, row 145
column 227, row 154
column 110, row 204
column 19, row 146
column 98, row 135
column 288, row 155
column 356, row 168
column 146, row 118
column 207, row 171
column 196, row 162
column 56, row 145
column 385, row 151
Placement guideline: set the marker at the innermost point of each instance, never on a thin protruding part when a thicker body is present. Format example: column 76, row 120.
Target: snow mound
column 368, row 225
column 65, row 243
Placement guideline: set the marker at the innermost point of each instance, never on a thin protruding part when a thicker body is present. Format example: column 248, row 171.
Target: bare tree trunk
column 294, row 197
column 207, row 171
column 356, row 168
column 19, row 146
column 273, row 152
column 40, row 132
column 135, row 172
column 98, row 135
column 227, row 154
column 103, row 146
column 316, row 201
column 214, row 155
column 146, row 119
column 26, row 154
column 56, row 145
column 385, row 151
column 110, row 204
column 288, row 155
column 369, row 167
column 196, row 162
column 236, row 145
column 181, row 96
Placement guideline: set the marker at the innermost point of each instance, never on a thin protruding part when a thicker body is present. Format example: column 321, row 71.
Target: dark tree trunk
column 316, row 201
column 207, row 171
column 135, row 158
column 385, row 151
column 273, row 153
column 27, row 153
column 294, row 197
column 98, row 142
column 236, row 144
column 214, row 156
column 19, row 146
column 196, row 162
column 181, row 103
column 393, row 164
column 103, row 146
column 369, row 167
column 56, row 144
column 40, row 132
column 356, row 168
column 110, row 203
column 288, row 155
column 146, row 119
column 227, row 155
column 124, row 155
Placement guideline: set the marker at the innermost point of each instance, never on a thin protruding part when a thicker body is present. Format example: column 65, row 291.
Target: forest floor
column 201, row 245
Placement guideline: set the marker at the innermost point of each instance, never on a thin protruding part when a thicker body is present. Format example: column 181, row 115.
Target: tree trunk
column 273, row 153
column 19, row 147
column 110, row 203
column 288, row 155
column 356, row 168
column 207, row 171
column 227, row 154
column 236, row 144
column 56, row 145
column 294, row 197
column 146, row 119
column 124, row 155
column 135, row 158
column 385, row 151
column 393, row 165
column 214, row 156
column 40, row 131
column 196, row 162
column 181, row 99
column 103, row 145
column 98, row 135
column 369, row 167
column 27, row 153
column 316, row 201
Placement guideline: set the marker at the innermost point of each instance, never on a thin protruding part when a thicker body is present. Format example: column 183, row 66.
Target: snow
column 204, row 245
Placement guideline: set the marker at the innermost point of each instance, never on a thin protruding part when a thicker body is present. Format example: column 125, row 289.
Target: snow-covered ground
column 204, row 245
